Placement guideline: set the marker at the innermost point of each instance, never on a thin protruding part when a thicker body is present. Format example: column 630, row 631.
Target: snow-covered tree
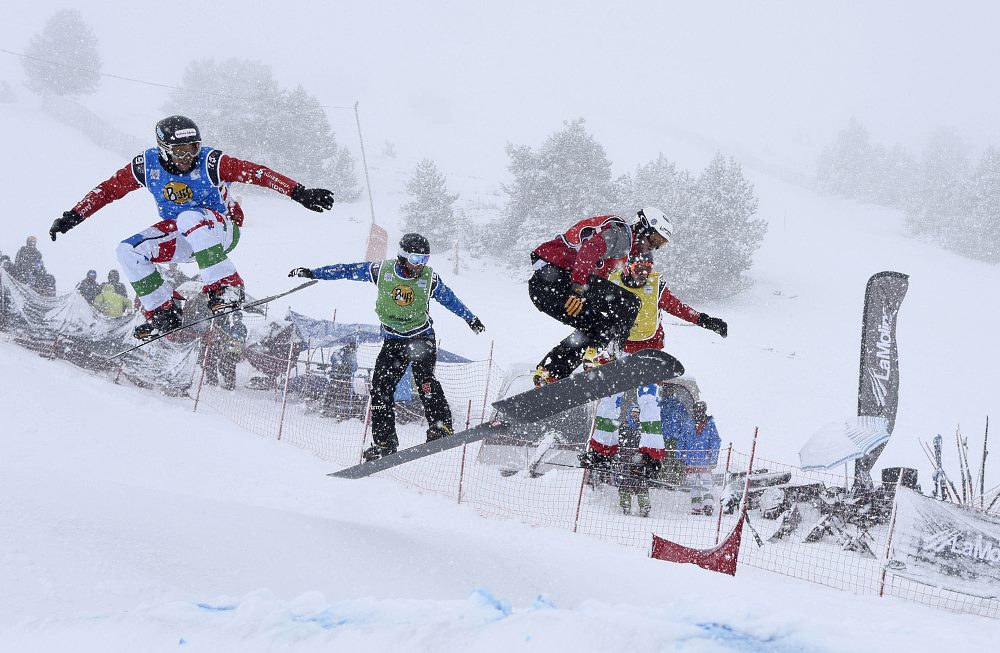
column 979, row 236
column 942, row 197
column 858, row 168
column 716, row 242
column 241, row 108
column 63, row 58
column 567, row 179
column 431, row 210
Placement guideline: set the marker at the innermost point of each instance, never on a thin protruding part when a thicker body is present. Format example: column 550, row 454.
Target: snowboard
column 628, row 373
column 639, row 369
column 244, row 307
column 474, row 434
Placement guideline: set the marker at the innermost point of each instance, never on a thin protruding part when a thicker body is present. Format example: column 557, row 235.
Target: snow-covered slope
column 130, row 523
column 127, row 523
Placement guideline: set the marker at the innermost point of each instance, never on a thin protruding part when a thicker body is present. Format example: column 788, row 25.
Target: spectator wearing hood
column 89, row 287
column 115, row 280
column 28, row 261
column 110, row 302
column 698, row 448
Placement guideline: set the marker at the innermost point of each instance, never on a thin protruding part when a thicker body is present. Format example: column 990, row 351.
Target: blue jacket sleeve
column 351, row 271
column 445, row 297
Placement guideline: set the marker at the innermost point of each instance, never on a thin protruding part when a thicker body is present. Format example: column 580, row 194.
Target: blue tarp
column 326, row 333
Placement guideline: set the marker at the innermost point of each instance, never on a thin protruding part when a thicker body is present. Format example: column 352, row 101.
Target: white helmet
column 655, row 220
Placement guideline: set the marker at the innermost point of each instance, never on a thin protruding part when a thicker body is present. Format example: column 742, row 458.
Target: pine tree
column 981, row 233
column 63, row 58
column 943, row 189
column 856, row 167
column 568, row 179
column 721, row 234
column 241, row 109
column 843, row 166
column 431, row 211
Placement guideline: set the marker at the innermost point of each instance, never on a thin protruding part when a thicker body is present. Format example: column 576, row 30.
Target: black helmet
column 414, row 244
column 175, row 130
column 415, row 249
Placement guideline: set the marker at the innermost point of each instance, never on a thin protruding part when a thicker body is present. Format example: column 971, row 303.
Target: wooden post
column 288, row 374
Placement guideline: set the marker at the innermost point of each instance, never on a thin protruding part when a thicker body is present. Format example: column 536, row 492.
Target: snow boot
column 225, row 297
column 594, row 358
column 375, row 452
column 542, row 377
column 593, row 460
column 159, row 321
column 437, row 432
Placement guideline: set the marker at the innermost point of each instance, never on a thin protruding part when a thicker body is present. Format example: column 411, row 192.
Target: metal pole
column 364, row 162
column 718, row 523
column 204, row 363
column 892, row 529
column 461, row 472
column 288, row 374
column 486, row 391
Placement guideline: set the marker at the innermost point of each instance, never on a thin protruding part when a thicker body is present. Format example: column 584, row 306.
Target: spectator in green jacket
column 110, row 303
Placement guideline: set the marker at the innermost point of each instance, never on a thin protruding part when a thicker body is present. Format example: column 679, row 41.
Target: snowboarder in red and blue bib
column 199, row 220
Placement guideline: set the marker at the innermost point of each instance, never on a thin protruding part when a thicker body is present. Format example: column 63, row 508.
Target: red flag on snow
column 721, row 558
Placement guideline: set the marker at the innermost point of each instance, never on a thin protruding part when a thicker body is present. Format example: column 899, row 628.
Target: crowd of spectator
column 109, row 298
column 28, row 268
column 692, row 444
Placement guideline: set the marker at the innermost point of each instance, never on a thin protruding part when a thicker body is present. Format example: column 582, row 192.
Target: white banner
column 946, row 546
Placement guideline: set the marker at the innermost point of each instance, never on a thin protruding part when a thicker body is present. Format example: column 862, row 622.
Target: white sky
column 457, row 80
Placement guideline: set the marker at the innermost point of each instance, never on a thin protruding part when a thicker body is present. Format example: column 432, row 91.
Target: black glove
column 651, row 467
column 302, row 272
column 314, row 199
column 716, row 324
column 68, row 220
column 575, row 300
column 477, row 325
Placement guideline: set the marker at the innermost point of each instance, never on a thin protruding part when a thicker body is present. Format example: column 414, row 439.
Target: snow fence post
column 718, row 522
column 486, row 389
column 888, row 539
column 461, row 472
column 284, row 395
column 584, row 477
column 204, row 363
column 368, row 421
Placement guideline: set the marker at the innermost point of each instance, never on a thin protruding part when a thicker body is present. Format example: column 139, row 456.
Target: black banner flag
column 878, row 385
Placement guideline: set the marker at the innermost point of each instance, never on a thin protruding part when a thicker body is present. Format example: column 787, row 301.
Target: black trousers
column 390, row 366
column 607, row 316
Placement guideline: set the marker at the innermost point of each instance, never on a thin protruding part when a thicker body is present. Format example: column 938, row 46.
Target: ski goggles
column 416, row 259
column 182, row 151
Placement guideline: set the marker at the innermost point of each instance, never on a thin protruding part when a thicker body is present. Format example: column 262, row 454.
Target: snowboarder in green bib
column 406, row 286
